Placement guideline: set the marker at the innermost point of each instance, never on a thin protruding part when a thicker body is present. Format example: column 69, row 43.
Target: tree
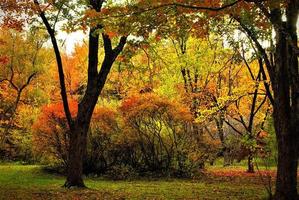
column 256, row 16
column 79, row 125
column 50, row 13
column 23, row 59
column 163, row 129
column 282, row 65
column 250, row 111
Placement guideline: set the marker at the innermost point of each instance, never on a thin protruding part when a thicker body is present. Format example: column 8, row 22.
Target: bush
column 164, row 132
column 104, row 130
column 121, row 172
column 50, row 133
column 147, row 135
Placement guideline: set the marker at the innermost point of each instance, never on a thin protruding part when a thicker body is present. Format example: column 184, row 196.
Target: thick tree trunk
column 287, row 140
column 287, row 169
column 96, row 81
column 77, row 150
column 285, row 87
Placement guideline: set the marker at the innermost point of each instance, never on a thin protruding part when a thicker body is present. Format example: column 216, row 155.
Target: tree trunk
column 287, row 169
column 286, row 114
column 96, row 81
column 227, row 157
column 77, row 150
column 95, row 84
column 250, row 167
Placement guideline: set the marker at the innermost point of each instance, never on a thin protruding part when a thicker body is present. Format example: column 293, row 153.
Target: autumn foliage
column 50, row 132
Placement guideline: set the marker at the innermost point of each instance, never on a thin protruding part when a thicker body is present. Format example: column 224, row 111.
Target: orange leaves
column 151, row 104
column 239, row 172
column 52, row 114
column 51, row 132
column 91, row 13
column 16, row 13
column 121, row 58
column 105, row 120
column 111, row 34
column 57, row 110
column 263, row 134
column 16, row 24
column 129, row 103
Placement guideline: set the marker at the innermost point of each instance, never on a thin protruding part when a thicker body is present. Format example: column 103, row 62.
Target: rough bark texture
column 285, row 87
column 76, row 153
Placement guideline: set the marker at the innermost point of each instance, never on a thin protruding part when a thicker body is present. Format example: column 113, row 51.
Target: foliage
column 180, row 94
column 23, row 63
column 50, row 133
column 164, row 133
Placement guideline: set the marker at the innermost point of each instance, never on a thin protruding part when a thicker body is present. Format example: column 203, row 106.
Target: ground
column 30, row 182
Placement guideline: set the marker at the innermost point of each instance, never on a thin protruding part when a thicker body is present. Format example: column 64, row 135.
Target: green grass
column 30, row 182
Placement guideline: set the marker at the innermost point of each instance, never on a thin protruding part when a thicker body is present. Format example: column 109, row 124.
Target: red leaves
column 10, row 23
column 4, row 60
column 242, row 173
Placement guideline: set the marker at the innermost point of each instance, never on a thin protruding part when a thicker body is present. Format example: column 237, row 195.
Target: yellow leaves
column 206, row 113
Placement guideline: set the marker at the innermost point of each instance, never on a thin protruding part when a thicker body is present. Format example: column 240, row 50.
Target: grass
column 30, row 182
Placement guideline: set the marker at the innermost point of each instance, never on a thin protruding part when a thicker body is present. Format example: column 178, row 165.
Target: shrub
column 164, row 134
column 50, row 133
column 104, row 131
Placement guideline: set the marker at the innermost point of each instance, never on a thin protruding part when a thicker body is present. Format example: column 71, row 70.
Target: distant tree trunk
column 250, row 166
column 225, row 149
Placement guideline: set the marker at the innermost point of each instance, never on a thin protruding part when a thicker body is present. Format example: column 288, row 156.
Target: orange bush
column 50, row 131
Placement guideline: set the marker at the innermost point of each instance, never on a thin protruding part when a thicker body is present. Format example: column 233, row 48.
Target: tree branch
column 51, row 32
column 230, row 125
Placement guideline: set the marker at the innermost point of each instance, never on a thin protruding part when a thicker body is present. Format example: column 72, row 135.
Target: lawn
column 30, row 182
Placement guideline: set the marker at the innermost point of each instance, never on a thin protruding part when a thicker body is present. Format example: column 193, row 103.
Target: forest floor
column 31, row 182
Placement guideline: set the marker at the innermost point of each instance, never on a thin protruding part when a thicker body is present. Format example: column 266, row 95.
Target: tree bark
column 285, row 87
column 77, row 150
column 96, row 81
column 250, row 167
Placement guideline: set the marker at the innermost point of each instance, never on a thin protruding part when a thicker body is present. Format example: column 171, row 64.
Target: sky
column 70, row 40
